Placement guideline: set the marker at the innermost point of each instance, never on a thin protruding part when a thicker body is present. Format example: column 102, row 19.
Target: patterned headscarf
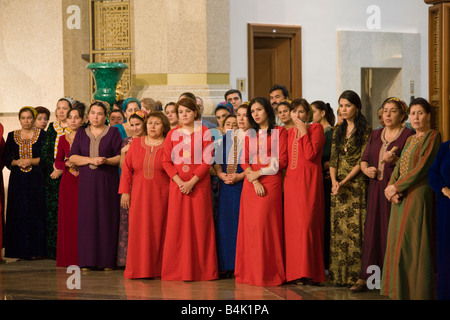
column 70, row 100
column 141, row 114
column 227, row 105
column 402, row 105
column 33, row 111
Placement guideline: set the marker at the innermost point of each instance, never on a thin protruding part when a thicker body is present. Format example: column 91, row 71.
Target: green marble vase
column 106, row 77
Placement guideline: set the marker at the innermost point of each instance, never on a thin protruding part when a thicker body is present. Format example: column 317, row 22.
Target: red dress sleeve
column 207, row 141
column 313, row 142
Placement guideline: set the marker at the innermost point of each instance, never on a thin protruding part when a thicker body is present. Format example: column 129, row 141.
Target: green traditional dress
column 408, row 263
column 49, row 150
column 347, row 212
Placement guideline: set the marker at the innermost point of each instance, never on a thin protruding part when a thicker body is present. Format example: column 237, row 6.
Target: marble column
column 76, row 35
column 181, row 45
column 439, row 64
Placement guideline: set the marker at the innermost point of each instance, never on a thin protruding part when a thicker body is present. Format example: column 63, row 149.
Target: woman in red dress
column 259, row 247
column 136, row 124
column 304, row 206
column 147, row 201
column 67, row 236
column 189, row 247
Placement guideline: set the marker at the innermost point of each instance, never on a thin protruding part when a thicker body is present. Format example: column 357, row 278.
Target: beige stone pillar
column 30, row 57
column 76, row 32
column 439, row 64
column 181, row 45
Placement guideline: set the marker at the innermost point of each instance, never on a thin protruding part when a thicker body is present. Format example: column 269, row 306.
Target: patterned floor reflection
column 41, row 280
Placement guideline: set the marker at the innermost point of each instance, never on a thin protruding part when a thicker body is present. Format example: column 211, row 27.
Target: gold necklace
column 386, row 142
column 153, row 143
column 348, row 140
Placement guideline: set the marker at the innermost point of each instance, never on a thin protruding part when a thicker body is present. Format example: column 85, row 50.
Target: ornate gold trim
column 165, row 79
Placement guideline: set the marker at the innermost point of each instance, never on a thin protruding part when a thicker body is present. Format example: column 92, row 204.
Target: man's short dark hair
column 232, row 91
column 280, row 87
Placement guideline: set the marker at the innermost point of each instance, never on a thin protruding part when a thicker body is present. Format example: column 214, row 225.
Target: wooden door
column 272, row 64
column 274, row 57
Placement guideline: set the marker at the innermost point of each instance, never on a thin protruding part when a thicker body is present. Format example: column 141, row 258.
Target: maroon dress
column 378, row 207
column 99, row 201
column 67, row 236
column 2, row 190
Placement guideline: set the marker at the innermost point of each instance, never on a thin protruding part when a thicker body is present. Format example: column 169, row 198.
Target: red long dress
column 304, row 206
column 67, row 236
column 148, row 208
column 259, row 247
column 190, row 246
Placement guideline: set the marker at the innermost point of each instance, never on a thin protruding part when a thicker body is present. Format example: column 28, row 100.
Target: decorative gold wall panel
column 111, row 25
column 439, row 65
column 111, row 37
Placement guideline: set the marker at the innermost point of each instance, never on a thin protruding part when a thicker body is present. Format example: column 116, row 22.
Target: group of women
column 293, row 201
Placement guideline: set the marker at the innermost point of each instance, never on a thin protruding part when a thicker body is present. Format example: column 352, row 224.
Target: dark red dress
column 259, row 247
column 378, row 207
column 67, row 237
column 304, row 205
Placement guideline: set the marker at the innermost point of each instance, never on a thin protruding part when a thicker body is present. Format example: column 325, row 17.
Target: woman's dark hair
column 329, row 114
column 100, row 104
column 117, row 111
column 135, row 116
column 43, row 110
column 269, row 111
column 189, row 95
column 169, row 104
column 304, row 103
column 80, row 105
column 231, row 115
column 244, row 106
column 361, row 124
column 221, row 108
column 80, row 111
column 66, row 100
column 190, row 104
column 118, row 103
column 422, row 102
column 164, row 119
column 285, row 103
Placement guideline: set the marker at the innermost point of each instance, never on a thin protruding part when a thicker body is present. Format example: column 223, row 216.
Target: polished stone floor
column 41, row 280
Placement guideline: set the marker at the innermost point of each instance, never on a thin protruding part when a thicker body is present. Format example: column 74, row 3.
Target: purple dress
column 123, row 225
column 99, row 201
column 378, row 207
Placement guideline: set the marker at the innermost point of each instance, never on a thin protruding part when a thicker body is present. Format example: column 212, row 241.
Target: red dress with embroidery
column 190, row 245
column 148, row 208
column 304, row 207
column 259, row 247
column 67, row 237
